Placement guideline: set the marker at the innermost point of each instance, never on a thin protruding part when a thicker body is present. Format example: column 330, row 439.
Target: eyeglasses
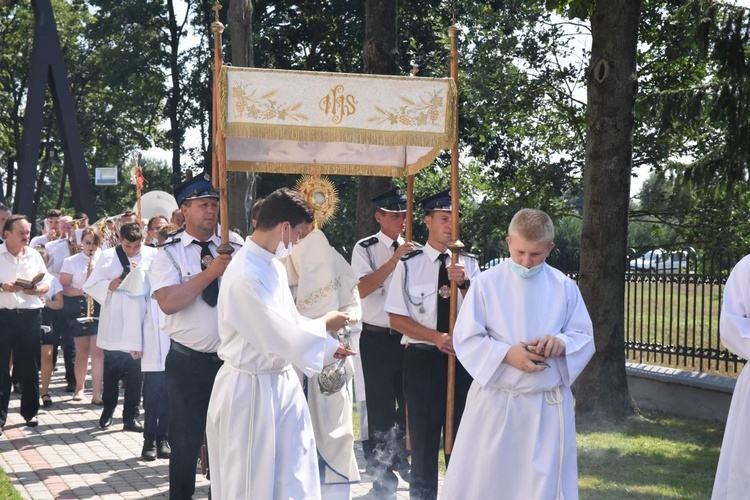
column 89, row 243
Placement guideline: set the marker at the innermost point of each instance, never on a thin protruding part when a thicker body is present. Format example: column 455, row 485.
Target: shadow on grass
column 648, row 457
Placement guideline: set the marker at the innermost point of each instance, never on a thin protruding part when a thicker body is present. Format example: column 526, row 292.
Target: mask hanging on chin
column 523, row 271
column 283, row 251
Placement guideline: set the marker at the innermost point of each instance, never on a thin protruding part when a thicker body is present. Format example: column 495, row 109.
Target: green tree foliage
column 114, row 58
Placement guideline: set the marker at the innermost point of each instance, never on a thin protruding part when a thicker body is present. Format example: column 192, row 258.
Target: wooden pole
column 407, row 236
column 456, row 246
column 219, row 166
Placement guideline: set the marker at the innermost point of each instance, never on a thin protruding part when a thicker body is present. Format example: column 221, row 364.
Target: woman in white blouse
column 75, row 270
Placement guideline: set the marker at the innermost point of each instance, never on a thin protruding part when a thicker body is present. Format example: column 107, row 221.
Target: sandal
column 46, row 400
column 78, row 396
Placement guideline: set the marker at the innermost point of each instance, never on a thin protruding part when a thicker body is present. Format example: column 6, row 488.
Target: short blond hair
column 532, row 225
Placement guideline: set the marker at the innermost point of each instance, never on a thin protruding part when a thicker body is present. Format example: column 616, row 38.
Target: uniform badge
column 206, row 177
column 206, row 260
column 445, row 291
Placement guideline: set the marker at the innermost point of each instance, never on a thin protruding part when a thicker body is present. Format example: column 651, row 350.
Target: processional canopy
column 334, row 123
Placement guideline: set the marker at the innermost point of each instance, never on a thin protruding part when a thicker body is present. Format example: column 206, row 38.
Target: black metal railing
column 672, row 307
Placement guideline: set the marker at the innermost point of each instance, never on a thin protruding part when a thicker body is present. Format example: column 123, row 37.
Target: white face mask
column 282, row 250
column 523, row 271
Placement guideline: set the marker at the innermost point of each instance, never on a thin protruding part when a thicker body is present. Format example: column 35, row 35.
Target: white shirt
column 120, row 312
column 195, row 326
column 54, row 288
column 77, row 265
column 58, row 251
column 27, row 265
column 414, row 287
column 38, row 240
column 366, row 260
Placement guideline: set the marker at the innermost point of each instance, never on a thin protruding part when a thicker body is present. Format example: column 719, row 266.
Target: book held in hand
column 29, row 284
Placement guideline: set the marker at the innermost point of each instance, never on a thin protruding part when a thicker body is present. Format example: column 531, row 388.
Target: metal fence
column 672, row 307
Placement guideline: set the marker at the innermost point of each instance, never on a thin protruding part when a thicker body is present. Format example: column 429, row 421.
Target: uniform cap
column 438, row 202
column 392, row 200
column 198, row 186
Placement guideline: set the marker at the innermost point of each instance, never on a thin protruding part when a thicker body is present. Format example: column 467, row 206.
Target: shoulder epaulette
column 469, row 255
column 237, row 245
column 411, row 254
column 368, row 242
column 170, row 242
column 417, row 245
column 172, row 235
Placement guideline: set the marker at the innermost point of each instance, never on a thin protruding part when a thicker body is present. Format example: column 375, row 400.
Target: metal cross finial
column 216, row 8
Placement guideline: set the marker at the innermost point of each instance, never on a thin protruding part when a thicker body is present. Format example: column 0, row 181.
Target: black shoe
column 149, row 450
column 32, row 422
column 71, row 387
column 133, row 426
column 106, row 419
column 163, row 450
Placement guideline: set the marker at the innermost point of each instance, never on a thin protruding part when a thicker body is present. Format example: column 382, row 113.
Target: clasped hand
column 524, row 355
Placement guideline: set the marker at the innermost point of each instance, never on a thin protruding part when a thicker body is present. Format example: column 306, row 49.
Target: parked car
column 661, row 261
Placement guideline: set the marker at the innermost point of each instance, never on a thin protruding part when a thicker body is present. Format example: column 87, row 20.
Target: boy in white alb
column 524, row 335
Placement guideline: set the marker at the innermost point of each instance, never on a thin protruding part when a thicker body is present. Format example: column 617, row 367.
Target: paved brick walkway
column 68, row 457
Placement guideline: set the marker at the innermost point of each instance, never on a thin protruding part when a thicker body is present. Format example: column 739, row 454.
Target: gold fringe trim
column 444, row 140
column 333, row 169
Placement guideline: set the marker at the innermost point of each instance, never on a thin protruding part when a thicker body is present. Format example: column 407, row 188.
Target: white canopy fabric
column 334, row 123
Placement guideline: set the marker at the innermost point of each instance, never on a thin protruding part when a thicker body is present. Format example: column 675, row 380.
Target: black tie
column 395, row 245
column 443, row 298
column 211, row 292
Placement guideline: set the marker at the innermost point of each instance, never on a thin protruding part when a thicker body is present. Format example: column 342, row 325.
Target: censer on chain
column 333, row 376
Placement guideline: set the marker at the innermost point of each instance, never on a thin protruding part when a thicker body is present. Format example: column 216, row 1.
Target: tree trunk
column 241, row 185
column 380, row 57
column 176, row 130
column 602, row 390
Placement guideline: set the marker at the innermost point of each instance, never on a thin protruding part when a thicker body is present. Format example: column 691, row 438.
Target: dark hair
column 81, row 216
column 54, row 212
column 283, row 205
column 156, row 217
column 128, row 213
column 256, row 208
column 131, row 232
column 12, row 220
column 93, row 232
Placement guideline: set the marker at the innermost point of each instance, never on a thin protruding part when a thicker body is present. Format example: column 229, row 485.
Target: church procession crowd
column 251, row 356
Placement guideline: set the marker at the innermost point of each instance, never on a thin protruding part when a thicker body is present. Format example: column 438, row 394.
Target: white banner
column 335, row 123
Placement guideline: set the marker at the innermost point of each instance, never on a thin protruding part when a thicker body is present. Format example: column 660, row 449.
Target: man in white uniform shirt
column 20, row 317
column 374, row 259
column 418, row 303
column 260, row 437
column 185, row 281
column 52, row 226
column 524, row 335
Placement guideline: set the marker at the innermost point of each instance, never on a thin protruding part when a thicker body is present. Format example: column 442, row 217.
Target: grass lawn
column 655, row 456
column 7, row 492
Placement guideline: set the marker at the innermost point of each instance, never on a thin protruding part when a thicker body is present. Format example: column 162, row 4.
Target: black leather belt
column 23, row 311
column 209, row 357
column 422, row 347
column 379, row 329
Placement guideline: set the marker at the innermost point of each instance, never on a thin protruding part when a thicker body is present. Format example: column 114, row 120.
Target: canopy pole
column 218, row 159
column 455, row 246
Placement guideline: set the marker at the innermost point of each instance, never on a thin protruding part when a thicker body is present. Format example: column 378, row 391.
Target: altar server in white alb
column 324, row 282
column 524, row 335
column 733, row 474
column 260, row 439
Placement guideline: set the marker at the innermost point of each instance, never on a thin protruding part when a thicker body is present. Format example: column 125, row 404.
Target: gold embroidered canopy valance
column 334, row 123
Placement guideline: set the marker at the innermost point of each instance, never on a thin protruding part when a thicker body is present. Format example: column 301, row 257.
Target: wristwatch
column 465, row 285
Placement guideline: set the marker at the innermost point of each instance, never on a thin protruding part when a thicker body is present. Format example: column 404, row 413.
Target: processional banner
column 334, row 123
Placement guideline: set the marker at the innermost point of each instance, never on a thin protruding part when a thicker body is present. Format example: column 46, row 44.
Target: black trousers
column 118, row 365
column 190, row 379
column 155, row 406
column 61, row 324
column 382, row 366
column 425, row 385
column 20, row 333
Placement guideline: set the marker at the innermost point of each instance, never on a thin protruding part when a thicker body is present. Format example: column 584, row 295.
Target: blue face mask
column 525, row 272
